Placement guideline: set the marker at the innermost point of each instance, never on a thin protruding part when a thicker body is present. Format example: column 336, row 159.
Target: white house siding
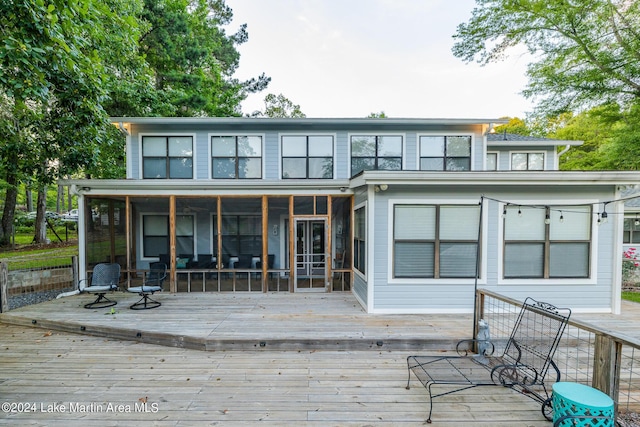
column 458, row 295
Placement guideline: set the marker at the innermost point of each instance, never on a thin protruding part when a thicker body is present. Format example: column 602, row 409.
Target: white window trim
column 593, row 254
column 447, row 133
column 168, row 134
column 210, row 162
column 426, row 281
column 372, row 133
column 335, row 148
column 357, row 272
column 544, row 159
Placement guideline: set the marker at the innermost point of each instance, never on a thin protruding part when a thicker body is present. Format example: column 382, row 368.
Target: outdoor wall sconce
column 381, row 187
column 275, row 229
column 343, row 189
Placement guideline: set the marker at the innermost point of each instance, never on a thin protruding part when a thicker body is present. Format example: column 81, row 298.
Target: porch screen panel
column 185, row 235
column 105, row 218
column 241, row 226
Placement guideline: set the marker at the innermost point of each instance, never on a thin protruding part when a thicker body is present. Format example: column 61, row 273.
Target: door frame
column 294, row 268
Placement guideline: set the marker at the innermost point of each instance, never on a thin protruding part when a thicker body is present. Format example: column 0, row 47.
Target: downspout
column 564, row 150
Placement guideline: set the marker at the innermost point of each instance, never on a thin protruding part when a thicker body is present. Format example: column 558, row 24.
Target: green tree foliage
column 193, row 60
column 52, row 85
column 279, row 106
column 67, row 65
column 587, row 52
column 515, row 125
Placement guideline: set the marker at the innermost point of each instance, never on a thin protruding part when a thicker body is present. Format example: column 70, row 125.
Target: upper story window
column 375, row 153
column 527, row 161
column 307, row 157
column 445, row 153
column 236, row 157
column 492, row 161
column 167, row 157
column 551, row 242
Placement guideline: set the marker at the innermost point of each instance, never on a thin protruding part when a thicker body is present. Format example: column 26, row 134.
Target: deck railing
column 587, row 354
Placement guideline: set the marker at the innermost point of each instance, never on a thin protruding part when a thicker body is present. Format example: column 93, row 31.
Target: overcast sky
column 349, row 58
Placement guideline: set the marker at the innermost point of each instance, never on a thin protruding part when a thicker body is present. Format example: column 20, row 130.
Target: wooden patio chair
column 152, row 283
column 104, row 278
column 523, row 364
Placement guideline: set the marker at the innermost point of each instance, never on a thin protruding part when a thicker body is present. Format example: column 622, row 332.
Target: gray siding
column 448, row 296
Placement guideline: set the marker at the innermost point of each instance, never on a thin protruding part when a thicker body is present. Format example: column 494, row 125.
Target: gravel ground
column 20, row 300
column 630, row 419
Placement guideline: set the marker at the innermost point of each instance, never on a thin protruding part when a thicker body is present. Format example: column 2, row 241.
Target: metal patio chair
column 104, row 278
column 152, row 283
column 522, row 365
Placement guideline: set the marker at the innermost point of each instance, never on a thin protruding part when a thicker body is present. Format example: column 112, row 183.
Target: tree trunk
column 41, row 224
column 8, row 214
column 29, row 199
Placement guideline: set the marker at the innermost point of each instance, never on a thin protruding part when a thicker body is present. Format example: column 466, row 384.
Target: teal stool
column 573, row 400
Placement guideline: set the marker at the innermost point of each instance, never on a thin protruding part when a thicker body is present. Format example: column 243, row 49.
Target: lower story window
column 359, row 240
column 433, row 241
column 155, row 235
column 550, row 242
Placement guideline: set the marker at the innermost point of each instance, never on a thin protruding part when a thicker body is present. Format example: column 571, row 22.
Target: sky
column 351, row 58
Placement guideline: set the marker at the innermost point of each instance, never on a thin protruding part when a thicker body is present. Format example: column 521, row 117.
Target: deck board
column 321, row 364
column 230, row 388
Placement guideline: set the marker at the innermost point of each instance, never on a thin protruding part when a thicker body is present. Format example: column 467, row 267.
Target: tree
column 515, row 125
column 279, row 106
column 192, row 59
column 380, row 115
column 587, row 52
column 52, row 85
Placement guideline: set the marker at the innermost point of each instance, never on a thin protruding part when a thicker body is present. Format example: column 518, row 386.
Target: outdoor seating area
column 523, row 362
column 104, row 278
column 152, row 283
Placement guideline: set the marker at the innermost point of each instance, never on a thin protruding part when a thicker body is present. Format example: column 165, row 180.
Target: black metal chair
column 152, row 283
column 523, row 363
column 104, row 278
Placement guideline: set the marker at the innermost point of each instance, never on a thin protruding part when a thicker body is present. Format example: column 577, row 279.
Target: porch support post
column 172, row 243
column 129, row 237
column 292, row 246
column 606, row 365
column 265, row 242
column 329, row 249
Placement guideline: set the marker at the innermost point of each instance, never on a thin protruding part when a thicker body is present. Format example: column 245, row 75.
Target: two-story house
column 410, row 215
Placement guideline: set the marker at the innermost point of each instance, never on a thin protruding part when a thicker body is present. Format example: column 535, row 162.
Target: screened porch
column 279, row 243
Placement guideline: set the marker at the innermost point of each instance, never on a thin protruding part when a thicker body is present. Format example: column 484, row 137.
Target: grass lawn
column 631, row 296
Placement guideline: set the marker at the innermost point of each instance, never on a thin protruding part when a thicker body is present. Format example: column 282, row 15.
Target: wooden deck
column 243, row 321
column 104, row 382
column 324, row 362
